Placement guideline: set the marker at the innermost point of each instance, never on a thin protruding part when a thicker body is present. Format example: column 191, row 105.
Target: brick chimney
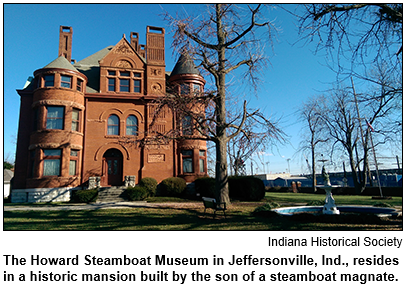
column 134, row 40
column 65, row 42
column 155, row 45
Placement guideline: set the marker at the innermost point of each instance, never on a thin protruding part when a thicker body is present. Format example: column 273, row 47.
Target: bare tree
column 223, row 40
column 354, row 31
column 246, row 144
column 360, row 38
column 311, row 113
column 340, row 119
column 350, row 112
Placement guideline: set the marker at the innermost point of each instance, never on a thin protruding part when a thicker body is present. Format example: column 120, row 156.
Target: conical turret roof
column 185, row 65
column 62, row 63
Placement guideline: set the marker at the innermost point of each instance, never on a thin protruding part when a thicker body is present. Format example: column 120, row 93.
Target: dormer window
column 124, row 85
column 137, row 86
column 111, row 85
column 124, row 81
column 66, row 81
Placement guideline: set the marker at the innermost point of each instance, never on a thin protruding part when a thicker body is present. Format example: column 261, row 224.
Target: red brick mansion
column 78, row 120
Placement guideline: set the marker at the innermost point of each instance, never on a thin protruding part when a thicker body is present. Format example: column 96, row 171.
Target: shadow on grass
column 172, row 218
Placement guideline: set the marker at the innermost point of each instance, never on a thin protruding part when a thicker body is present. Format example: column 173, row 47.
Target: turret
column 186, row 80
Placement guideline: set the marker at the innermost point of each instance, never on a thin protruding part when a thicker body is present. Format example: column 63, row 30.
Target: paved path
column 95, row 206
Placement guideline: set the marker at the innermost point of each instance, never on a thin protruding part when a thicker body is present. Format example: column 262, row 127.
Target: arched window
column 131, row 126
column 113, row 125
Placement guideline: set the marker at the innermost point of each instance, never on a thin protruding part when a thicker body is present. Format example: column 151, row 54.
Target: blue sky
column 31, row 35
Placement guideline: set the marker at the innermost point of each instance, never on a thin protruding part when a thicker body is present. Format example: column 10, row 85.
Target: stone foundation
column 61, row 194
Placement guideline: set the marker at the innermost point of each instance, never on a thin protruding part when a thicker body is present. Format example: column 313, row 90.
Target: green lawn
column 189, row 216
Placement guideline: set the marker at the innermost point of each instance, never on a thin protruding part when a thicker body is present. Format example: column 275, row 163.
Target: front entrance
column 112, row 168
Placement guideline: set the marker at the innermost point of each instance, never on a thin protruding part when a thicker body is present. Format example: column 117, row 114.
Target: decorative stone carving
column 123, row 49
column 157, row 146
column 123, row 64
column 156, row 87
column 155, row 72
column 152, row 158
column 129, row 180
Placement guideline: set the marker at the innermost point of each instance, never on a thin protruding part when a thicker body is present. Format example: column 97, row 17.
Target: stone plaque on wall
column 156, row 158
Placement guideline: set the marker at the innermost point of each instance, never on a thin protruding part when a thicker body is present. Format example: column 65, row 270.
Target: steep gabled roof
column 91, row 69
column 93, row 60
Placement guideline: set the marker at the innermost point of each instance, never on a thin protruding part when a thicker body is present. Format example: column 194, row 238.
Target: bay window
column 187, row 161
column 52, row 162
column 55, row 117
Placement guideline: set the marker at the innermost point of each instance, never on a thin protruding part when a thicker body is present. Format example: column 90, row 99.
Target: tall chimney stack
column 65, row 42
column 134, row 40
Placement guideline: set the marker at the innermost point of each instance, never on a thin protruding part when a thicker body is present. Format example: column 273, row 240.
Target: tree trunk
column 358, row 187
column 314, row 179
column 222, row 194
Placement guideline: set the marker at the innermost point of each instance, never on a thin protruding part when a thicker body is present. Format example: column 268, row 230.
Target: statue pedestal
column 329, row 203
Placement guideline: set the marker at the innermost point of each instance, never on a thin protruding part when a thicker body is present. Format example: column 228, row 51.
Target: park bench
column 212, row 204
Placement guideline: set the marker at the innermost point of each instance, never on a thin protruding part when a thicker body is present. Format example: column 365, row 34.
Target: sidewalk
column 96, row 206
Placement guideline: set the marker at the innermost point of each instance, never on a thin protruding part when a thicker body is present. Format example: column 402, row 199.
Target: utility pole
column 397, row 160
column 373, row 151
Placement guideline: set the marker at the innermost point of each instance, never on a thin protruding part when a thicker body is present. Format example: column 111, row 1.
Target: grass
column 188, row 215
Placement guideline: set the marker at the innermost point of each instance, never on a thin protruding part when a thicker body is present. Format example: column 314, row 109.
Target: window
column 131, row 126
column 196, row 88
column 187, row 128
column 202, row 159
column 124, row 85
column 79, row 85
column 75, row 120
column 137, row 83
column 55, row 118
column 187, row 161
column 66, row 81
column 113, row 125
column 184, row 89
column 127, row 82
column 49, row 80
column 73, row 163
column 137, row 86
column 111, row 85
column 52, row 162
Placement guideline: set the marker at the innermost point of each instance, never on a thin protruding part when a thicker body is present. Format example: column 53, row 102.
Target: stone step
column 111, row 194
